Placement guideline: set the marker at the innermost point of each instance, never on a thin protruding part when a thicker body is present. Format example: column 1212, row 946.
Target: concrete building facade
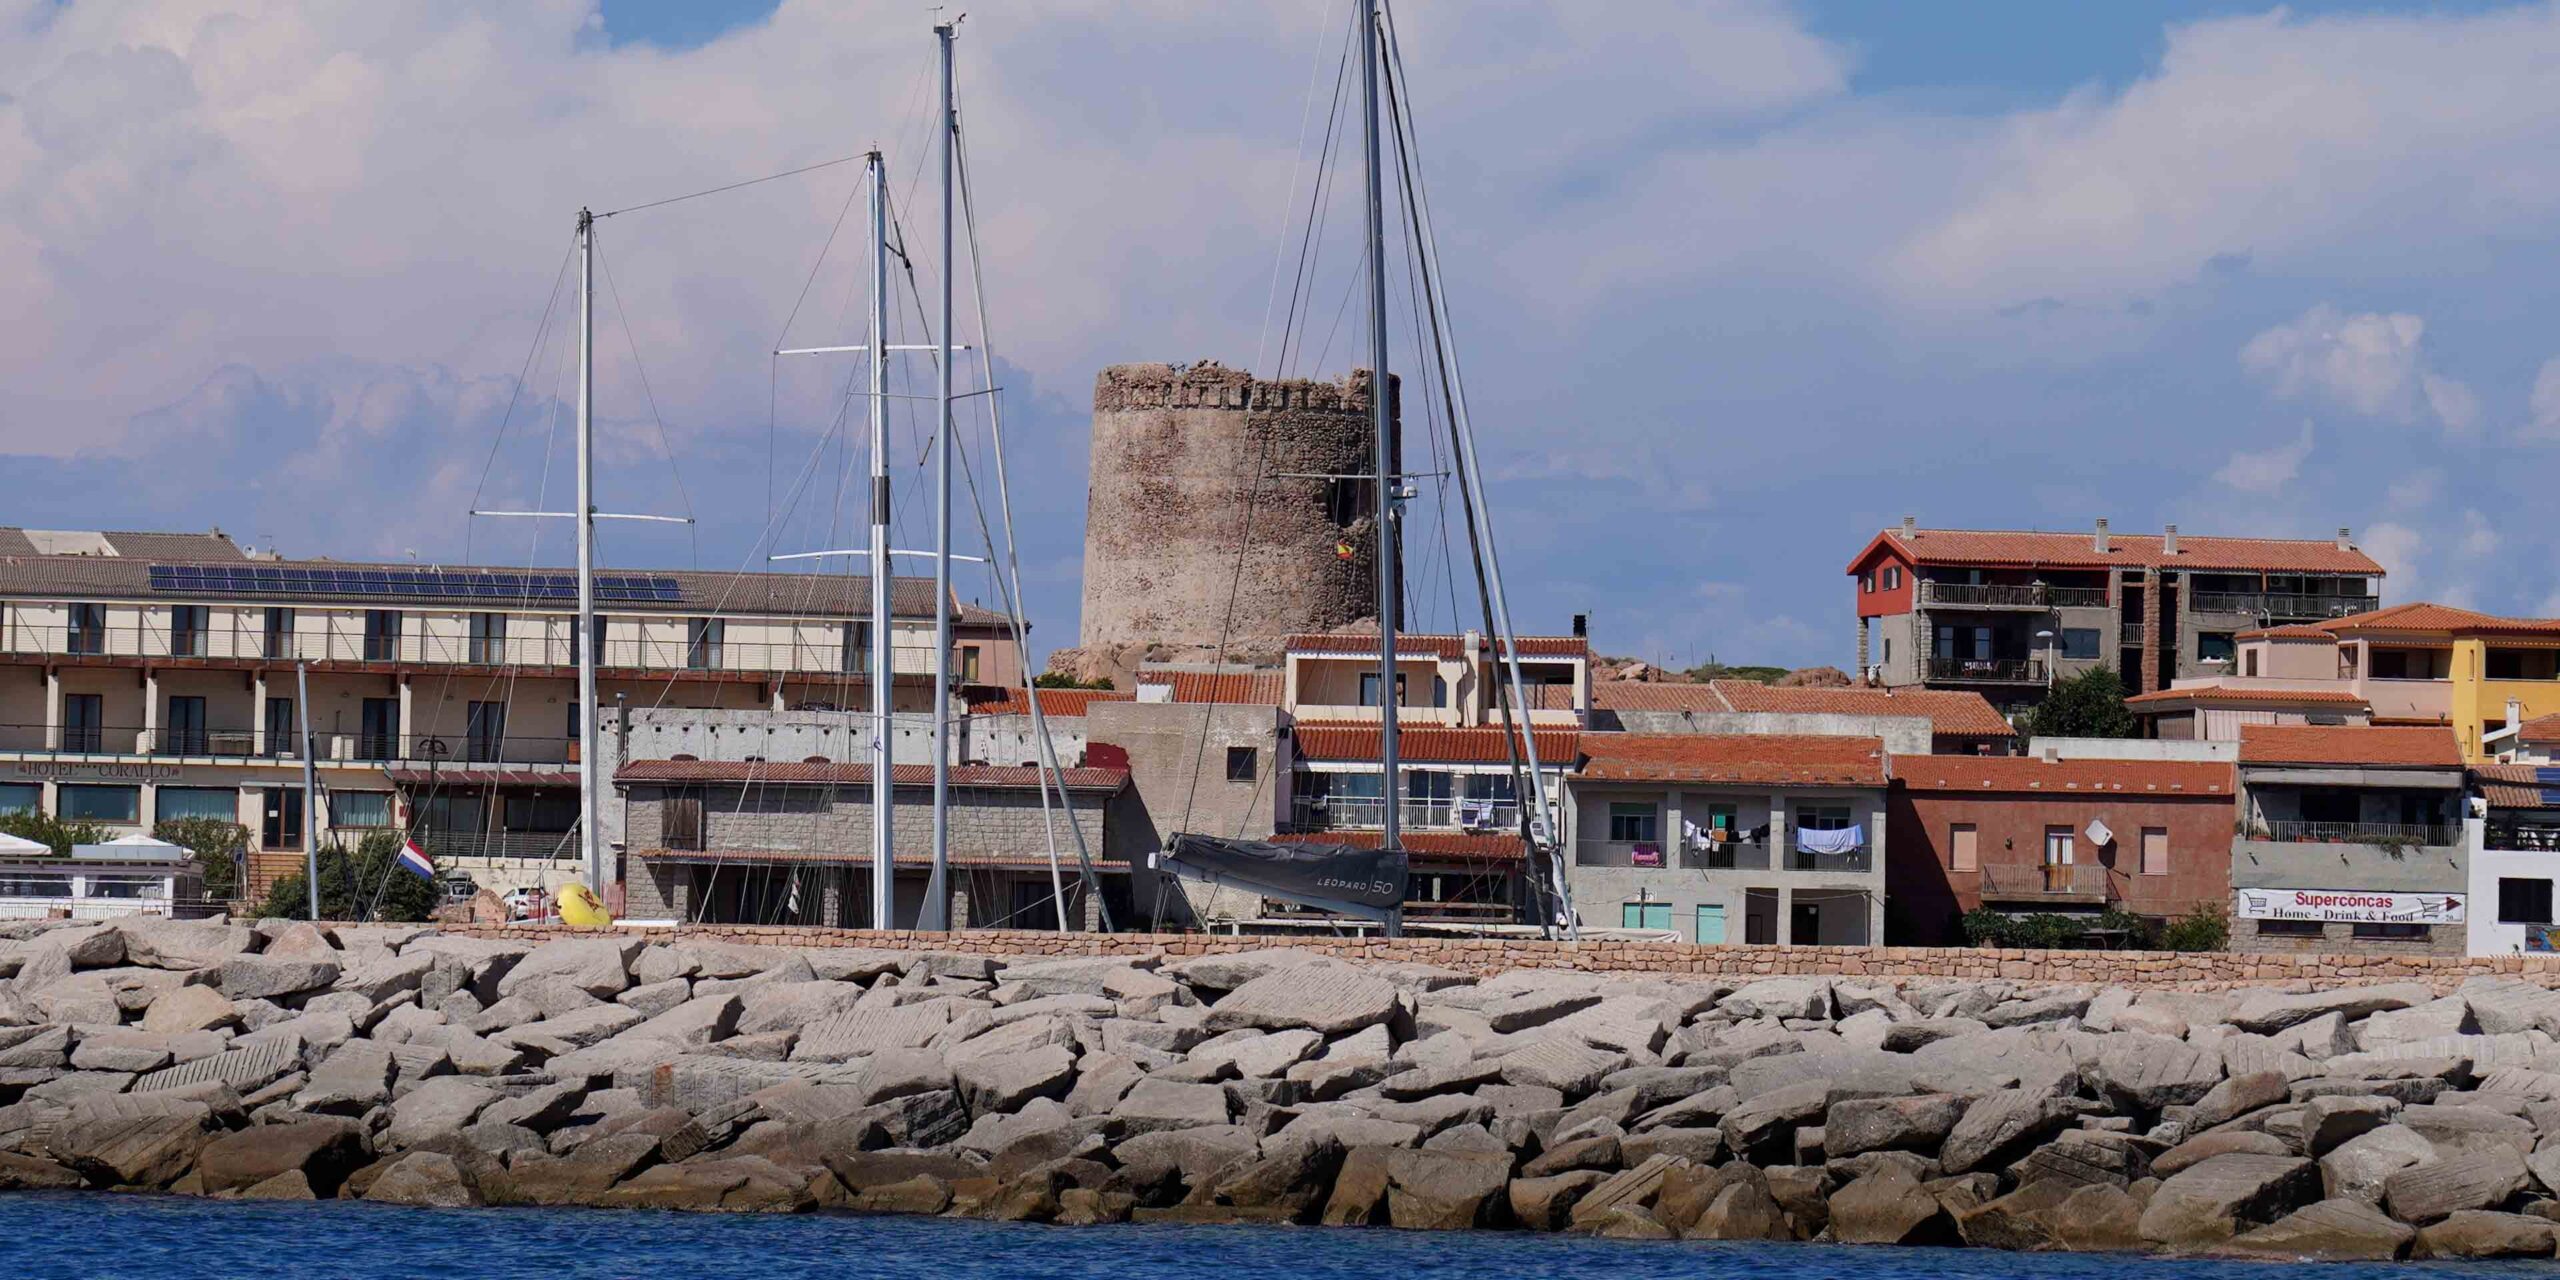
column 2350, row 839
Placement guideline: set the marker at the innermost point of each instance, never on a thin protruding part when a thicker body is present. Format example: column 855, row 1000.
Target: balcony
column 1725, row 856
column 559, row 846
column 2522, row 837
column 2052, row 883
column 1368, row 813
column 2378, row 834
column 1988, row 670
column 2281, row 606
column 2011, row 596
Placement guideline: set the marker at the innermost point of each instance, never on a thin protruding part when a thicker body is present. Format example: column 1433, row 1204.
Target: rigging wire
column 733, row 186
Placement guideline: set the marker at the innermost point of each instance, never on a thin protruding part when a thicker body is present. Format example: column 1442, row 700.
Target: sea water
column 114, row 1236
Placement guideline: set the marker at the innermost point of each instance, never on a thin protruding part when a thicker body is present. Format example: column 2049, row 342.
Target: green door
column 1711, row 925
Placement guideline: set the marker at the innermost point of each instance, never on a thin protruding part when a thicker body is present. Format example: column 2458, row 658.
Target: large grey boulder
column 1571, row 1069
column 443, row 1104
column 1164, row 1104
column 2268, row 1011
column 1328, row 999
column 2226, row 1195
column 323, row 1150
column 133, row 1140
column 182, row 944
column 1003, row 1082
column 693, row 1023
column 1998, row 1125
column 353, row 1079
column 2143, row 1073
column 1781, row 998
column 2486, row 1179
column 601, row 967
column 253, row 977
column 2475, row 1233
column 2329, row 1231
column 1889, row 1207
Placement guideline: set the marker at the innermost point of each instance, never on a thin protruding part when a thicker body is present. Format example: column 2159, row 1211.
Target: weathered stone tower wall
column 1192, row 464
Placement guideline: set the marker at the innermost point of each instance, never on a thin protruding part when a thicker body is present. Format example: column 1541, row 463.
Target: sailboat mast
column 1381, row 417
column 590, row 836
column 936, row 914
column 884, row 884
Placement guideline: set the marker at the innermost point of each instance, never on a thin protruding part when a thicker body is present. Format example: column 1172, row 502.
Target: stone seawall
column 407, row 1065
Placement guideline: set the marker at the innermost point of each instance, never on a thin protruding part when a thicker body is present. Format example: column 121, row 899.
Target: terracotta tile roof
column 798, row 773
column 2511, row 786
column 1419, row 644
column 2093, row 777
column 407, row 776
column 1952, row 713
column 1751, row 759
column 2540, row 729
column 1640, row 695
column 2375, row 745
column 2218, row 695
column 1053, row 702
column 2037, row 549
column 860, row 859
column 2415, row 618
column 1423, row 844
column 1432, row 744
column 1232, row 688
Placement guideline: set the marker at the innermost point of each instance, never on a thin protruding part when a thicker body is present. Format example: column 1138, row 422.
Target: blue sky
column 1739, row 281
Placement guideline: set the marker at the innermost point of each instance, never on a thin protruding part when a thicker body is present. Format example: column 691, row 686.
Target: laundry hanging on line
column 1842, row 840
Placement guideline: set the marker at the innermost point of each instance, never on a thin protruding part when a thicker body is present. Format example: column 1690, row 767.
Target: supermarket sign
column 2349, row 906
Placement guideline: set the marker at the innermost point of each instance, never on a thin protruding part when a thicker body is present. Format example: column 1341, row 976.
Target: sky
column 1736, row 283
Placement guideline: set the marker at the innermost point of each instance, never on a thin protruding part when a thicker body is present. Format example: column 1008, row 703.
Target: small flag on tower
column 1342, row 550
column 415, row 860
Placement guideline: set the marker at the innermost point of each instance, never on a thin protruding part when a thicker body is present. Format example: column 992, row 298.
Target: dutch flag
column 416, row 861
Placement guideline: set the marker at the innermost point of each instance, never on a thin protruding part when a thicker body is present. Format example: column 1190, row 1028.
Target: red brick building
column 2024, row 835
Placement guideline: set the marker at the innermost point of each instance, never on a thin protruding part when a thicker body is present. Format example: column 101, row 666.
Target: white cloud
column 2479, row 536
column 2395, row 547
column 2369, row 362
column 2415, row 489
column 2266, row 470
column 2544, row 405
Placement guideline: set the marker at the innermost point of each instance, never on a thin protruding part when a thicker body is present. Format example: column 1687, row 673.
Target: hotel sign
column 91, row 771
column 2350, row 906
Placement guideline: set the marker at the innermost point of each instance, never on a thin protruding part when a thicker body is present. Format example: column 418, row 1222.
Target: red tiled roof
column 2027, row 773
column 2540, row 729
column 1641, row 695
column 2510, row 786
column 2036, row 549
column 783, row 772
column 1229, row 688
column 2227, row 696
column 1432, row 744
column 408, row 776
column 1755, row 759
column 1053, row 702
column 2377, row 745
column 2417, row 617
column 1950, row 712
column 1418, row 644
column 1423, row 844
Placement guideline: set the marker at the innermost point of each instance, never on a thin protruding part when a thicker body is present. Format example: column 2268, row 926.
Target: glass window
column 21, row 797
column 360, row 808
column 197, row 802
column 2214, row 646
column 2395, row 932
column 2291, row 928
column 484, row 729
column 2080, row 642
column 857, row 647
column 2524, row 901
column 125, row 886
column 488, row 638
column 2059, row 846
column 1892, row 577
column 1866, row 584
column 98, row 804
column 702, row 642
column 1369, row 689
column 1630, row 822
column 34, row 884
column 2155, row 851
column 1964, row 850
column 381, row 635
column 280, row 818
column 1645, row 915
column 279, row 633
column 187, row 630
column 1241, row 764
column 88, row 628
column 1822, row 817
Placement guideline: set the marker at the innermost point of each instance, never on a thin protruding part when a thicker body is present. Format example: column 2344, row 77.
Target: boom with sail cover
column 1336, row 877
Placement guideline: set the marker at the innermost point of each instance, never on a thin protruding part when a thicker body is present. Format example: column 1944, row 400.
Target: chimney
column 2169, row 540
column 1582, row 626
column 2099, row 543
column 1910, row 527
column 2346, row 540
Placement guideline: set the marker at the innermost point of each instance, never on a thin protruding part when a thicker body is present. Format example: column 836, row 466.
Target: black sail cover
column 1336, row 872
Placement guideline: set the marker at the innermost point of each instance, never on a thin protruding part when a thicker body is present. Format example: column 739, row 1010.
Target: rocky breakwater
column 398, row 1064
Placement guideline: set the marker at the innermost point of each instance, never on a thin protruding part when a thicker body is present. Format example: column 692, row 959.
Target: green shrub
column 213, row 842
column 349, row 884
column 46, row 829
column 2207, row 928
column 2088, row 705
column 1061, row 680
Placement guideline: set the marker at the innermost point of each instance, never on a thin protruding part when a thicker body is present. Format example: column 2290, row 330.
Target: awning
column 412, row 776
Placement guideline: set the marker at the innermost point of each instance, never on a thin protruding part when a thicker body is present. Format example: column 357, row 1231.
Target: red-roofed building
column 1961, row 722
column 1723, row 838
column 2003, row 612
column 2350, row 838
column 1257, row 687
column 2515, row 859
column 2068, row 837
column 1453, row 680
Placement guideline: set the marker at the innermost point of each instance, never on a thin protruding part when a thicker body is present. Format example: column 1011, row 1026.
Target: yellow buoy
column 580, row 906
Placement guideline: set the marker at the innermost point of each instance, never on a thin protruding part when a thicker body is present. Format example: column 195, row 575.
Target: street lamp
column 2044, row 639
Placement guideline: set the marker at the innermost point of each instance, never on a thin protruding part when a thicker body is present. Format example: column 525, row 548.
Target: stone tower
column 1196, row 466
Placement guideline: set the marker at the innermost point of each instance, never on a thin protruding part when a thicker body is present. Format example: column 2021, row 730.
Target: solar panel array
column 456, row 584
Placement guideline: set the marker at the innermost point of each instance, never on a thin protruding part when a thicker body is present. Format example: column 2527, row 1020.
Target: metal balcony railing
column 1726, row 856
column 2373, row 833
column 2011, row 595
column 1988, row 670
column 561, row 846
column 229, row 740
column 2281, row 604
column 2077, row 882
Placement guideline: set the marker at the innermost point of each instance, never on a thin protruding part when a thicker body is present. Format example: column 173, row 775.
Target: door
column 185, row 733
column 284, row 737
column 1711, row 924
column 485, row 731
column 280, row 818
column 1804, row 924
column 381, row 722
column 83, row 727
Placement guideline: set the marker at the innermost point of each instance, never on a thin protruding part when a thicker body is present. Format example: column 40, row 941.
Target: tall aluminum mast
column 1381, row 419
column 936, row 912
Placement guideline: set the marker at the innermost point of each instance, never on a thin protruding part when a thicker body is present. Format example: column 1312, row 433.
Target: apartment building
column 2030, row 835
column 2514, row 835
column 2350, row 839
column 146, row 676
column 2005, row 613
column 1956, row 722
column 2410, row 664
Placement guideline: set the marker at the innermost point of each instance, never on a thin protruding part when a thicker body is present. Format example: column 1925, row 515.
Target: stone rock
column 1546, row 1203
column 1163, row 1104
column 2268, row 1011
column 1005, row 1082
column 128, row 1140
column 1741, row 1207
column 2486, row 1179
column 2475, row 1233
column 1889, row 1208
column 2329, row 1231
column 190, row 1009
column 2050, row 1008
column 322, row 1151
column 2194, row 1151
column 1780, row 998
column 1769, row 1117
column 601, row 967
column 352, row 1080
column 1330, row 1000
column 2359, row 1168
column 2226, row 1195
column 426, row 1179
column 1890, row 1124
column 694, row 1022
column 21, row 1172
column 2142, row 1073
column 441, row 1105
column 251, row 977
column 1571, row 1069
column 1996, row 1126
column 739, row 1184
column 2469, row 1128
column 2238, row 1096
column 244, row 1069
column 181, row 944
column 2331, row 1122
column 2084, row 1157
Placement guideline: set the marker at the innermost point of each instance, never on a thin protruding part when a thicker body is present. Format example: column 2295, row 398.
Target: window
column 98, row 804
column 1964, row 849
column 2394, row 932
column 283, row 735
column 279, row 633
column 2155, row 851
column 2291, row 928
column 2523, row 901
column 359, row 808
column 187, row 628
column 1888, row 649
column 1439, row 692
column 857, row 647
column 541, row 811
column 1634, row 823
column 381, row 722
column 484, row 731
column 1822, row 817
column 381, row 635
column 1893, row 577
column 2080, row 642
column 1241, row 764
column 124, row 887
column 84, row 722
column 1866, row 584
column 1644, row 915
column 2059, row 846
column 2249, row 663
column 1711, row 924
column 680, row 822
column 88, row 628
column 488, row 638
column 21, row 797
column 196, row 802
column 968, row 664
column 702, row 642
column 1369, row 689
column 184, row 733
column 2214, row 646
column 280, row 818
column 596, row 650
